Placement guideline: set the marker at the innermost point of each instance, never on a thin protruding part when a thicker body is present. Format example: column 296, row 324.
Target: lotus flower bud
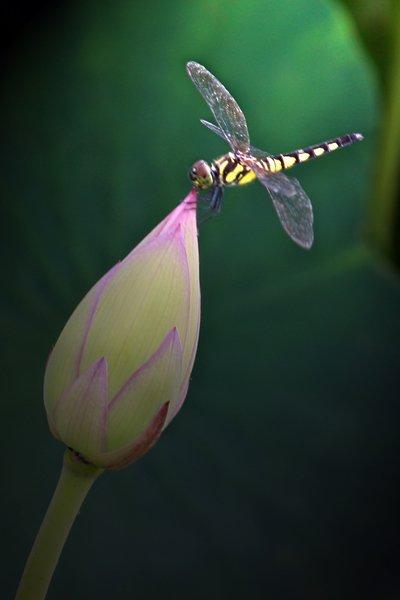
column 120, row 369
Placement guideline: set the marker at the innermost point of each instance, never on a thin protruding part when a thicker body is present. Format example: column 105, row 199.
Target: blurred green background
column 279, row 478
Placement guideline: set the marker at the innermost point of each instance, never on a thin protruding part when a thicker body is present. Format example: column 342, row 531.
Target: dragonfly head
column 201, row 175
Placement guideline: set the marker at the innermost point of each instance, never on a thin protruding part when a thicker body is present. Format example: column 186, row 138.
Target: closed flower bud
column 120, row 369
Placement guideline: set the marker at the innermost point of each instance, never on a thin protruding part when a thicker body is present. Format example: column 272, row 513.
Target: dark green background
column 279, row 478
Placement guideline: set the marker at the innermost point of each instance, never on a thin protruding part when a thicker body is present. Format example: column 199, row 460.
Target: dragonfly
column 246, row 163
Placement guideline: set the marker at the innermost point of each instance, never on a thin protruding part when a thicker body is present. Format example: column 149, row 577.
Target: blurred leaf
column 378, row 23
column 375, row 23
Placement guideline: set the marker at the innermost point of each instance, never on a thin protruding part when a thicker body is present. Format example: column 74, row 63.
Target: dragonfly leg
column 211, row 203
column 216, row 200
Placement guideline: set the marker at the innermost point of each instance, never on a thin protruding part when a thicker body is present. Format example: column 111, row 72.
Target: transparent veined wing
column 291, row 202
column 214, row 128
column 256, row 152
column 224, row 107
column 292, row 205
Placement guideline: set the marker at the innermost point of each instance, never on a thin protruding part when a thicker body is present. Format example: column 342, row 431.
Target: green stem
column 75, row 481
column 384, row 208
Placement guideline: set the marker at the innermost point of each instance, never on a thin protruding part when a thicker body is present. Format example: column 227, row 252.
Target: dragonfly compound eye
column 201, row 175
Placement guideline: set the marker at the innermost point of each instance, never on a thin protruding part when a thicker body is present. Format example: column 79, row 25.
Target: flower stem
column 75, row 481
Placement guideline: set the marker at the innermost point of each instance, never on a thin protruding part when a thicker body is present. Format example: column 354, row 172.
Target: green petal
column 148, row 295
column 64, row 364
column 79, row 416
column 153, row 385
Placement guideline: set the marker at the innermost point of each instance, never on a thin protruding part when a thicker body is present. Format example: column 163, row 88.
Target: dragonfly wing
column 214, row 128
column 291, row 202
column 257, row 153
column 292, row 205
column 224, row 107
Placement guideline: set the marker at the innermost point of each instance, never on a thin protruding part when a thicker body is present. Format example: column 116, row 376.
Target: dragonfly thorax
column 202, row 175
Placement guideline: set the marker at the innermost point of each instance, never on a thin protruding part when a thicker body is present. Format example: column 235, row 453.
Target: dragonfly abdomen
column 280, row 162
column 230, row 170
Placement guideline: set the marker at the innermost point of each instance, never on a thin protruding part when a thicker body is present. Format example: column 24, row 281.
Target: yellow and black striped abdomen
column 231, row 171
column 280, row 162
